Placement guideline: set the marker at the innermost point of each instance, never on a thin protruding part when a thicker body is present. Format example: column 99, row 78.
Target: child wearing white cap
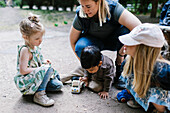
column 146, row 75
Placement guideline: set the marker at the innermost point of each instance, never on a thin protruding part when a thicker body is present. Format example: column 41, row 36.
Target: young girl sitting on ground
column 35, row 75
column 147, row 76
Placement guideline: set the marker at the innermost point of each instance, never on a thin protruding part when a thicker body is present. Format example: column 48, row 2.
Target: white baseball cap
column 147, row 34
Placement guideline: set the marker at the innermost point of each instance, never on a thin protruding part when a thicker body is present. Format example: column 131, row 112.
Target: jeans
column 109, row 43
column 49, row 84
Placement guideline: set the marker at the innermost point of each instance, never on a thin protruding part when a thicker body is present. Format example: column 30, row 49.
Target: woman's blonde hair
column 142, row 65
column 103, row 11
column 31, row 25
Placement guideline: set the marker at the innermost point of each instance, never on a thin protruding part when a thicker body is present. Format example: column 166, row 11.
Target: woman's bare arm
column 74, row 36
column 129, row 20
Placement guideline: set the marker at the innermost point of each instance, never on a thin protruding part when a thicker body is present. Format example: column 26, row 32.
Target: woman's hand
column 122, row 51
column 103, row 94
column 120, row 56
column 119, row 60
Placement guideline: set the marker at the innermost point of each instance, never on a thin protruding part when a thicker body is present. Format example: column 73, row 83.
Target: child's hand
column 85, row 80
column 103, row 94
column 48, row 61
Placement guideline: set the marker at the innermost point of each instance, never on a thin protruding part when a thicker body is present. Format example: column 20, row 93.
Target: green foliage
column 17, row 2
column 2, row 3
column 65, row 22
column 137, row 13
column 56, row 24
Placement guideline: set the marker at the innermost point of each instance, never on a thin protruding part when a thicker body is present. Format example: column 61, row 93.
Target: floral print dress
column 155, row 94
column 29, row 83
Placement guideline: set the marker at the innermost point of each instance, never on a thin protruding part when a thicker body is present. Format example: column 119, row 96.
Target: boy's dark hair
column 90, row 57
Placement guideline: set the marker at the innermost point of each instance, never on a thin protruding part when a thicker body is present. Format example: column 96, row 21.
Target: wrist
column 120, row 55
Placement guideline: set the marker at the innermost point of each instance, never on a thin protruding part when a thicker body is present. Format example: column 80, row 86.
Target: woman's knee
column 80, row 44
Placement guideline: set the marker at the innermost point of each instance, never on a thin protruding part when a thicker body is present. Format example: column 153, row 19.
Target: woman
column 99, row 23
column 146, row 75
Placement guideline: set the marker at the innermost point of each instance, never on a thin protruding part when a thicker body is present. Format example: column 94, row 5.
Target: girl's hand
column 85, row 80
column 48, row 61
column 103, row 94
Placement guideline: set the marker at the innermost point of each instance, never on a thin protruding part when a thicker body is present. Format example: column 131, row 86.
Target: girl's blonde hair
column 142, row 65
column 31, row 25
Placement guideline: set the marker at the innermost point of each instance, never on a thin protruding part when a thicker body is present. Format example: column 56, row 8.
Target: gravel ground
column 56, row 47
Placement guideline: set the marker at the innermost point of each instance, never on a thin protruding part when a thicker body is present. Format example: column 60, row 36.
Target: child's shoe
column 124, row 96
column 42, row 99
column 133, row 104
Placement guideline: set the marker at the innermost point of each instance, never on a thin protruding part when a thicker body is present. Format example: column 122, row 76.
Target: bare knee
column 160, row 108
column 95, row 86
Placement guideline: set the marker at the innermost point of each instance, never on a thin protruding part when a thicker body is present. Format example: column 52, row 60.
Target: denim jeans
column 109, row 43
column 49, row 84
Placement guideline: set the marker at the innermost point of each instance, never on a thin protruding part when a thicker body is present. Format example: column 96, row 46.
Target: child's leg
column 160, row 108
column 40, row 96
column 79, row 71
column 95, row 86
column 45, row 80
column 54, row 85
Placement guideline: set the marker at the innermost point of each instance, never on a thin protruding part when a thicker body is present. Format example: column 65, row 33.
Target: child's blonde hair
column 142, row 65
column 31, row 25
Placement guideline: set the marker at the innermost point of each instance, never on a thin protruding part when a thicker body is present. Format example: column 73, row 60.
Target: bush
column 2, row 3
column 17, row 2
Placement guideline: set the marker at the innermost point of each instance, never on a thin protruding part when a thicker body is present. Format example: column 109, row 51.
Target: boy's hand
column 103, row 94
column 85, row 80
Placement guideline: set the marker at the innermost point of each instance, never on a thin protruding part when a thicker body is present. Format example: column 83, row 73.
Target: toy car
column 76, row 86
column 123, row 96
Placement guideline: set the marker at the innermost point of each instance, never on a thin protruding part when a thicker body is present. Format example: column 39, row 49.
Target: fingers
column 86, row 84
column 83, row 79
column 80, row 78
column 48, row 61
column 119, row 60
column 104, row 96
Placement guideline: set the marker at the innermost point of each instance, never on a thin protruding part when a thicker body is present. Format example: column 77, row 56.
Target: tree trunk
column 154, row 8
column 136, row 3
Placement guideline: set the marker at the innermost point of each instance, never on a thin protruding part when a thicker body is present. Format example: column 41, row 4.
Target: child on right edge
column 145, row 72
column 99, row 70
